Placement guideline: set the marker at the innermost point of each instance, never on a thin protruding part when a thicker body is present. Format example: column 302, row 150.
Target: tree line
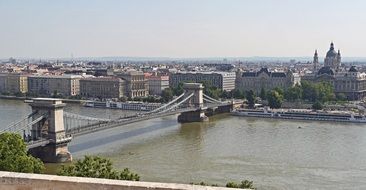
column 316, row 93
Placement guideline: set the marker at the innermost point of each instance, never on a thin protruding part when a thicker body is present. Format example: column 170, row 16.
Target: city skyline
column 180, row 29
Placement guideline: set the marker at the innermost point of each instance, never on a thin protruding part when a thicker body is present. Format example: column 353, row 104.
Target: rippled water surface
column 274, row 154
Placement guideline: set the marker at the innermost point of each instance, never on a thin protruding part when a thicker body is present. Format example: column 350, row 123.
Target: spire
column 332, row 46
column 339, row 52
column 315, row 61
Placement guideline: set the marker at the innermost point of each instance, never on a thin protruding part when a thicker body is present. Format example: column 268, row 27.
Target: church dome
column 325, row 70
column 332, row 52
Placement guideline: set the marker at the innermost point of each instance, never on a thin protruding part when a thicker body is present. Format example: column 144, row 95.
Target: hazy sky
column 181, row 28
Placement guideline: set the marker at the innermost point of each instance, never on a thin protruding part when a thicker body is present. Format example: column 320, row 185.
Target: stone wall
column 22, row 181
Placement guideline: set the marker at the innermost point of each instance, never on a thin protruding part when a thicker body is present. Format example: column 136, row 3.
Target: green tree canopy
column 211, row 90
column 250, row 98
column 293, row 93
column 322, row 91
column 309, row 92
column 14, row 157
column 96, row 167
column 280, row 91
column 275, row 99
column 263, row 94
column 167, row 95
column 178, row 90
column 225, row 94
column 237, row 93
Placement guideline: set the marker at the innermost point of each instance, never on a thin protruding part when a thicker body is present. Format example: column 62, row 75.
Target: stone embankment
column 22, row 181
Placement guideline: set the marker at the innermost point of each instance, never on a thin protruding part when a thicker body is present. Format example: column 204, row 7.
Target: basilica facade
column 347, row 81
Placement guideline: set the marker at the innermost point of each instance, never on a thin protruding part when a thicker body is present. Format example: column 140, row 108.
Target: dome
column 325, row 70
column 352, row 69
column 332, row 52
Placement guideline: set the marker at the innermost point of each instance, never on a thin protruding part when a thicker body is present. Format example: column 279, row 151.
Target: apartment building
column 47, row 85
column 13, row 83
column 102, row 88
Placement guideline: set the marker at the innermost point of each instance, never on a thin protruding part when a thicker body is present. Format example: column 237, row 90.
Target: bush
column 96, row 167
column 246, row 184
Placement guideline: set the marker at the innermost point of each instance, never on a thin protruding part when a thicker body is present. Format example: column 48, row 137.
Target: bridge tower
column 50, row 129
column 196, row 101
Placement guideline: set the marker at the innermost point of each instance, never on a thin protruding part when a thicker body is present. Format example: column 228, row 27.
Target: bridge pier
column 196, row 101
column 193, row 116
column 50, row 128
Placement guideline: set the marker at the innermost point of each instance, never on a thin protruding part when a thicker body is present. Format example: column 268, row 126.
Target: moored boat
column 301, row 115
column 137, row 106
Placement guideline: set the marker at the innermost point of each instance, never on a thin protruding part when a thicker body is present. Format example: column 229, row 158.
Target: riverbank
column 74, row 101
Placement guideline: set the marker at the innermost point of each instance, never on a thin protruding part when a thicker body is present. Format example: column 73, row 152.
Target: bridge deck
column 34, row 144
column 107, row 125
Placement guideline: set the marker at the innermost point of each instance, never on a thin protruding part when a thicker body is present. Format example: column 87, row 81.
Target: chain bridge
column 48, row 128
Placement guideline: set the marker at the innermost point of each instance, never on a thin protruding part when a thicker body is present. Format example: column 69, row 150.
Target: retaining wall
column 22, row 181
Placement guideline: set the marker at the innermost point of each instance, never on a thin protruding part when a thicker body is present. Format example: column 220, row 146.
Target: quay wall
column 74, row 101
column 23, row 181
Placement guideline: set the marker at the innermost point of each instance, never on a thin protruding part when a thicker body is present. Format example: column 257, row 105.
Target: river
column 274, row 154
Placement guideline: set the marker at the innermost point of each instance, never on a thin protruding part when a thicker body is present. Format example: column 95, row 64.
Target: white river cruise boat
column 301, row 115
column 136, row 106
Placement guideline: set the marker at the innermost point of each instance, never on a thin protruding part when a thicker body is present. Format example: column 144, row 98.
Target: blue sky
column 180, row 28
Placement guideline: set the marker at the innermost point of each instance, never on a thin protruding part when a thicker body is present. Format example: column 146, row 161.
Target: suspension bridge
column 48, row 128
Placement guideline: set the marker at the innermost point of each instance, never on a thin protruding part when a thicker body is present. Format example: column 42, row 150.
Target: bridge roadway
column 124, row 121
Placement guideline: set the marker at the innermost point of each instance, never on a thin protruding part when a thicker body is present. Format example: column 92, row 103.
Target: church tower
column 339, row 58
column 332, row 59
column 315, row 61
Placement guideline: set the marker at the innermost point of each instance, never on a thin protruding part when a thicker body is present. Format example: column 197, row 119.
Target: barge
column 301, row 115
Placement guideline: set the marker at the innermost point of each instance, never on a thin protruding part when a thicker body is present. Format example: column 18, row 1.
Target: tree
column 250, row 98
column 309, row 92
column 275, row 99
column 325, row 91
column 317, row 91
column 167, row 95
column 317, row 105
column 263, row 94
column 14, row 156
column 279, row 90
column 293, row 93
column 211, row 90
column 96, row 167
column 237, row 93
column 226, row 95
column 178, row 90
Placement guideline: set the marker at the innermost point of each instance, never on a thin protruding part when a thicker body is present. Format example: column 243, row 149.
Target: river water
column 274, row 154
